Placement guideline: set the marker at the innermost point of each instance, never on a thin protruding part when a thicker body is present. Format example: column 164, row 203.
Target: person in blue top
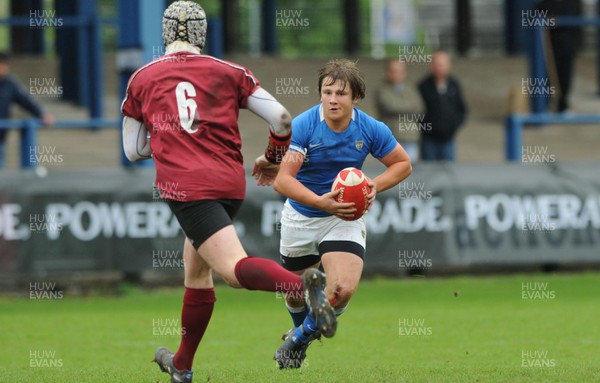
column 315, row 231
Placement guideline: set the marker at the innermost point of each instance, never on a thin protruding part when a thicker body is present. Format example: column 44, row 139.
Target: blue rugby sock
column 308, row 326
column 302, row 332
column 297, row 313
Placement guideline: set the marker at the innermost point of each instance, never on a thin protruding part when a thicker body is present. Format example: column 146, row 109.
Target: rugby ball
column 354, row 187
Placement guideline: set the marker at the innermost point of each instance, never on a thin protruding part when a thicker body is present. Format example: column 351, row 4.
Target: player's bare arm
column 135, row 140
column 287, row 184
column 264, row 105
column 398, row 168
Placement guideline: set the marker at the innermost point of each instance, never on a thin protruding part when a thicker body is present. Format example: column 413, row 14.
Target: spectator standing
column 445, row 110
column 12, row 91
column 399, row 106
column 565, row 42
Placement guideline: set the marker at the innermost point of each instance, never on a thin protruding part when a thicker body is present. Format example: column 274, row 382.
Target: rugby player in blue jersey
column 327, row 138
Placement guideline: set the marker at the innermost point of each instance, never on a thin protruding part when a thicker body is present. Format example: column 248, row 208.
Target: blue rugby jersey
column 327, row 152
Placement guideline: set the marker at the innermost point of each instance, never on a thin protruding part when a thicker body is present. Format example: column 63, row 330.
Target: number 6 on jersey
column 186, row 106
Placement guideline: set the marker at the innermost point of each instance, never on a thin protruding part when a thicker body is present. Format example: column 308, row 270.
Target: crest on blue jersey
column 359, row 144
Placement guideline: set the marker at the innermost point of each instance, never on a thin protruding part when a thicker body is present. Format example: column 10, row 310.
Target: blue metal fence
column 87, row 82
column 28, row 131
column 537, row 61
column 514, row 122
column 514, row 127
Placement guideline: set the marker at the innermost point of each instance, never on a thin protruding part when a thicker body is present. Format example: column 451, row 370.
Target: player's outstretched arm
column 263, row 104
column 398, row 167
column 135, row 140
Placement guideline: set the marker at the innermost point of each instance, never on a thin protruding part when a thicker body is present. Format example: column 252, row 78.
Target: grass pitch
column 519, row 328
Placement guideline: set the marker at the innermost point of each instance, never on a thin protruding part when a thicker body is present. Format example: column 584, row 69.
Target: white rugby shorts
column 301, row 235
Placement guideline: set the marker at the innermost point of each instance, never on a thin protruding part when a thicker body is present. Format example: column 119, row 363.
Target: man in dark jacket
column 11, row 90
column 445, row 110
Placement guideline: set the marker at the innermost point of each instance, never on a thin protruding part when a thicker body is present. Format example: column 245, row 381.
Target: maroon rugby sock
column 255, row 273
column 197, row 309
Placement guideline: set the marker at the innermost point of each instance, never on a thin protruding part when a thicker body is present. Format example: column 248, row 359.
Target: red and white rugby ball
column 354, row 188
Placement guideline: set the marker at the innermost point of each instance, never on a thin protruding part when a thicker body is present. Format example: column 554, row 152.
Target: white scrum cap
column 184, row 21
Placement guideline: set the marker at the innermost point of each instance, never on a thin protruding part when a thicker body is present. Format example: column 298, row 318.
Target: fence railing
column 514, row 127
column 514, row 124
column 28, row 131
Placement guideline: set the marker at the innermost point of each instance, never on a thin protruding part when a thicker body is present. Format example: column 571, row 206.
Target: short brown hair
column 347, row 72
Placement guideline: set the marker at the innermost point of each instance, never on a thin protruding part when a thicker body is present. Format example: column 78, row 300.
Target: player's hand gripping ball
column 355, row 188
